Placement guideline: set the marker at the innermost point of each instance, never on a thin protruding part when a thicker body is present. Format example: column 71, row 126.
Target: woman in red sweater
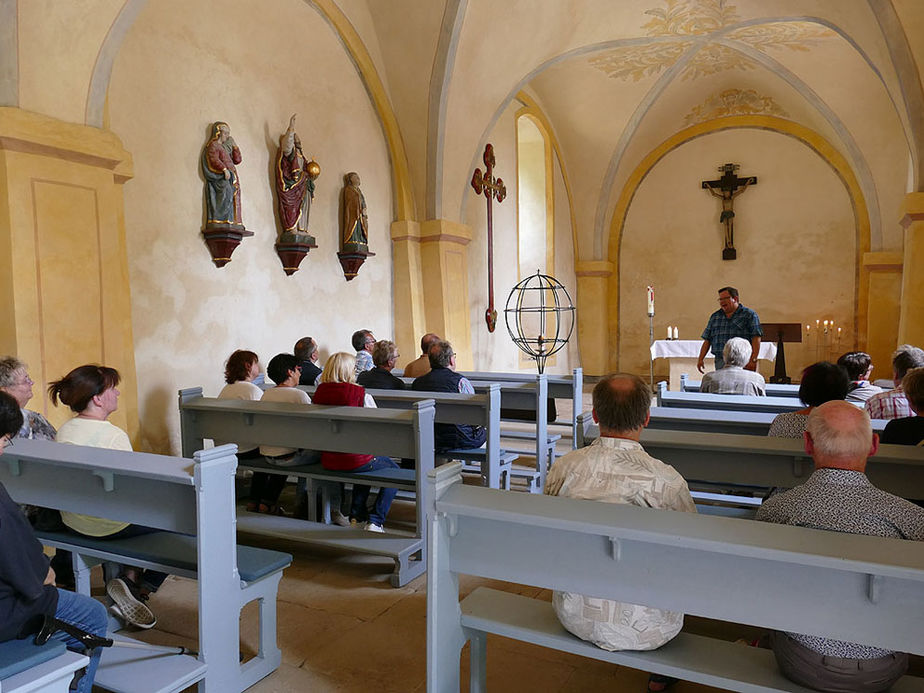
column 338, row 386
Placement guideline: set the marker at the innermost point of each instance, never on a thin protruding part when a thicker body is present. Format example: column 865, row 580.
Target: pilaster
column 410, row 320
column 910, row 323
column 63, row 262
column 593, row 314
column 883, row 271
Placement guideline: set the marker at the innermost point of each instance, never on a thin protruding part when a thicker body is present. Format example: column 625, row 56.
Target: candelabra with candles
column 650, row 334
column 824, row 340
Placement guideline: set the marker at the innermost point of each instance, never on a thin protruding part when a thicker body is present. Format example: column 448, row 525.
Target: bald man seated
column 421, row 365
column 840, row 498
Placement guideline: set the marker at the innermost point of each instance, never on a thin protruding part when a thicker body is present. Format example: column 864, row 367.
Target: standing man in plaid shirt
column 893, row 404
column 730, row 320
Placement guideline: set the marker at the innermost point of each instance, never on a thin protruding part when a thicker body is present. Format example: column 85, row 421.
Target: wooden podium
column 782, row 332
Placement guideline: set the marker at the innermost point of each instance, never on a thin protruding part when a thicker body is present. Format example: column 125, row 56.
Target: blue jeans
column 87, row 614
column 382, row 500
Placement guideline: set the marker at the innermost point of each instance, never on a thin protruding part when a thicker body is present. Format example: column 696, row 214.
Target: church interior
column 605, row 117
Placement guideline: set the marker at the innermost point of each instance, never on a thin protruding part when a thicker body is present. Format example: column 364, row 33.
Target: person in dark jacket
column 443, row 378
column 27, row 582
column 306, row 351
column 384, row 358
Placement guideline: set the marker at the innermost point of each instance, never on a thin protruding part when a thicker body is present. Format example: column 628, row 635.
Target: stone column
column 444, row 273
column 593, row 314
column 911, row 324
column 884, row 272
column 410, row 320
column 63, row 265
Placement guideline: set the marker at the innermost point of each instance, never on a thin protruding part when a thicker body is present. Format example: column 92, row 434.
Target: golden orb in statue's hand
column 314, row 170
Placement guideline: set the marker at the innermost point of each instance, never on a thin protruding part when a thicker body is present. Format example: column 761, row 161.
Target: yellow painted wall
column 183, row 66
column 797, row 251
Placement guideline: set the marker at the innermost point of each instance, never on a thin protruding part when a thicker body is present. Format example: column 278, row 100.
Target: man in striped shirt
column 893, row 404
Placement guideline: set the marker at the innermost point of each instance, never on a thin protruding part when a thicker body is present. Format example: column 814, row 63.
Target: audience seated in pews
column 27, row 581
column 910, row 429
column 240, row 371
column 859, row 367
column 363, row 341
column 821, row 382
column 284, row 370
column 15, row 381
column 616, row 469
column 421, row 365
column 732, row 379
column 338, row 387
column 306, row 351
column 839, row 497
column 443, row 378
column 893, row 404
column 385, row 358
column 90, row 391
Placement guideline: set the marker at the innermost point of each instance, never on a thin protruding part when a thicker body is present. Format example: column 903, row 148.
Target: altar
column 683, row 353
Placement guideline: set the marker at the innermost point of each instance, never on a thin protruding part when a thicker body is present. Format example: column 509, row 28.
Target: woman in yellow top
column 90, row 391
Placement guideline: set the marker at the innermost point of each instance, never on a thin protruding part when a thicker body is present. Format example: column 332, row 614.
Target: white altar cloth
column 689, row 349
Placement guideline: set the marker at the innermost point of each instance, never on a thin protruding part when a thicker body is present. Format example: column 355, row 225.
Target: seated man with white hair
column 732, row 379
column 839, row 497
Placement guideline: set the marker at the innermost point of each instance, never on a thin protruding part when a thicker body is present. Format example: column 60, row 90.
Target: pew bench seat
column 26, row 667
column 404, row 479
column 475, row 460
column 705, row 660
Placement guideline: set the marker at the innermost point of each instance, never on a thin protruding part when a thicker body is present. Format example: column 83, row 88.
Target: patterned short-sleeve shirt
column 841, row 500
column 743, row 323
column 891, row 404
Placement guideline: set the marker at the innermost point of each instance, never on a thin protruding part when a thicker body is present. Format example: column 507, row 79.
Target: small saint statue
column 295, row 176
column 222, row 185
column 355, row 227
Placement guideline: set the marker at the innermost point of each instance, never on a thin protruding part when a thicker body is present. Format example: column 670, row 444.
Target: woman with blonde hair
column 338, row 387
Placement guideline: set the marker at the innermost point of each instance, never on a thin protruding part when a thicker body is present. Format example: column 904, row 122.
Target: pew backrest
column 700, row 400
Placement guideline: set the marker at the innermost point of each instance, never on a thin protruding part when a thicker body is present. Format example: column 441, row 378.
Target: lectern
column 782, row 332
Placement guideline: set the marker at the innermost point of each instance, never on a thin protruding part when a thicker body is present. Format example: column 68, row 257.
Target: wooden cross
column 728, row 187
column 492, row 188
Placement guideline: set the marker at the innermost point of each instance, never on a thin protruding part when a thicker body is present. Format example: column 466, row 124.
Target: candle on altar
column 676, row 332
column 651, row 301
column 670, row 332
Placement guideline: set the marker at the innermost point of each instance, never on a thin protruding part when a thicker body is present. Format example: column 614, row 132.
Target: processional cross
column 492, row 188
column 728, row 187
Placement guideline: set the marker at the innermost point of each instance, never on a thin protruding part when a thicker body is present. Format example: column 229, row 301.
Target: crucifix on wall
column 493, row 188
column 727, row 188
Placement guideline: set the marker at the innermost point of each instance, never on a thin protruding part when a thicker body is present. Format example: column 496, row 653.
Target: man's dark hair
column 305, row 348
column 906, row 358
column 82, row 384
column 359, row 339
column 427, row 341
column 623, row 407
column 913, row 387
column 440, row 354
column 279, row 367
column 10, row 415
column 732, row 291
column 856, row 363
column 823, row 382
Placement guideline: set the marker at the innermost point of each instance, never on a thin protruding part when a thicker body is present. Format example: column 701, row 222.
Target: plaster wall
column 797, row 252
column 171, row 76
column 495, row 351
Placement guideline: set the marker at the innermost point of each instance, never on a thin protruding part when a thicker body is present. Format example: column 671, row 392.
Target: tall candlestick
column 650, row 301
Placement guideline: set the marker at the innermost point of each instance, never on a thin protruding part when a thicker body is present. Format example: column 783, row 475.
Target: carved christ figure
column 727, row 216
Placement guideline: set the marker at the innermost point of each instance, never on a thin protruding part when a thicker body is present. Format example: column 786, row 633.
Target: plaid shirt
column 742, row 323
column 889, row 405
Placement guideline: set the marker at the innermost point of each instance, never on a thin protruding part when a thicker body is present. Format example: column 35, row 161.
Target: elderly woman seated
column 732, row 379
column 15, row 381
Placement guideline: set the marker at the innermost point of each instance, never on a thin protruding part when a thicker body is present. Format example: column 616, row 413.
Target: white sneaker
column 372, row 527
column 338, row 518
column 129, row 608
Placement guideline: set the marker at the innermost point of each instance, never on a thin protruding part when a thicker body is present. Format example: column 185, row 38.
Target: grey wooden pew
column 339, row 429
column 194, row 497
column 480, row 409
column 701, row 420
column 850, row 587
column 747, row 460
column 699, row 400
column 772, row 389
column 26, row 667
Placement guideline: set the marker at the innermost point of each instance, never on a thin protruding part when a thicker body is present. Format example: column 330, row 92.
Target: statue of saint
column 355, row 229
column 295, row 178
column 222, row 186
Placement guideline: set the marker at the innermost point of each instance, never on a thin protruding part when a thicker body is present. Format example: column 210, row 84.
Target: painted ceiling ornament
column 729, row 102
column 681, row 25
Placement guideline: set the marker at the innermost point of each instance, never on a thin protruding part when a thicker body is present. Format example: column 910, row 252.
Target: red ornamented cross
column 493, row 188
